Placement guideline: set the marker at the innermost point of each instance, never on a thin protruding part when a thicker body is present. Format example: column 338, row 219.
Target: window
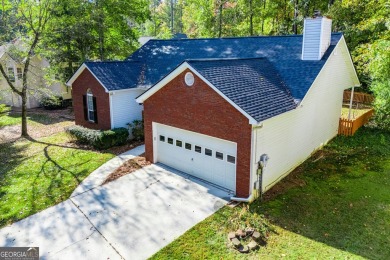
column 179, row 143
column 162, row 138
column 188, row 146
column 198, row 149
column 90, row 106
column 19, row 73
column 231, row 159
column 219, row 155
column 11, row 74
column 170, row 140
column 208, row 152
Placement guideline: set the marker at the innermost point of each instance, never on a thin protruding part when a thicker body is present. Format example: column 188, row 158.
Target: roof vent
column 316, row 36
column 189, row 79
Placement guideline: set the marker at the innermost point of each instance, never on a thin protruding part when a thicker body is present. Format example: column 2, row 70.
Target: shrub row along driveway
column 132, row 217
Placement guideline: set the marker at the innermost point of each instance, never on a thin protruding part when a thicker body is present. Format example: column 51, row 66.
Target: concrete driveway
column 131, row 218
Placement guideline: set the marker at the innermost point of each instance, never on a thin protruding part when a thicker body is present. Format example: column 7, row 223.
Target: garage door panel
column 199, row 155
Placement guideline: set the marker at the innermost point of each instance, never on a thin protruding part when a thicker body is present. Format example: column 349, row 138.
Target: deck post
column 350, row 103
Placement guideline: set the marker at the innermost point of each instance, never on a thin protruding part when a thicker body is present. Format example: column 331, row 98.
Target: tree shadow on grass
column 44, row 117
column 49, row 177
column 344, row 200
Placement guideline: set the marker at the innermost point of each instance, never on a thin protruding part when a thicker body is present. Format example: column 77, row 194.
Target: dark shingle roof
column 284, row 52
column 253, row 84
column 275, row 59
column 116, row 75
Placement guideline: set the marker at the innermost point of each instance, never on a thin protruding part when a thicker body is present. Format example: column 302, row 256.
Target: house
column 237, row 112
column 39, row 87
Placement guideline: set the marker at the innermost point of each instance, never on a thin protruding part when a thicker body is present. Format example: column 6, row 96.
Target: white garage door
column 202, row 156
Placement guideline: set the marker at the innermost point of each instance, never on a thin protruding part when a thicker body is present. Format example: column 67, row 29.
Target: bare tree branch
column 14, row 89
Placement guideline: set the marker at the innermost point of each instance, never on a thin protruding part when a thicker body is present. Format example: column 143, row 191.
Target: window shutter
column 95, row 109
column 85, row 107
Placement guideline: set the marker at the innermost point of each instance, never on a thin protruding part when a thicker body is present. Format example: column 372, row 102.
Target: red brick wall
column 79, row 88
column 200, row 109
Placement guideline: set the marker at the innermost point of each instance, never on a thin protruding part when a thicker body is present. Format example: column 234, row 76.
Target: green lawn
column 35, row 175
column 10, row 120
column 342, row 210
column 33, row 118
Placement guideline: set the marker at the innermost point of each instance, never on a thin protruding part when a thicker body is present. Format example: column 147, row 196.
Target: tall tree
column 33, row 15
column 93, row 30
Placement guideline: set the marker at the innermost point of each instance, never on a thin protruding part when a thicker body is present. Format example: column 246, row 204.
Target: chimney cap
column 317, row 14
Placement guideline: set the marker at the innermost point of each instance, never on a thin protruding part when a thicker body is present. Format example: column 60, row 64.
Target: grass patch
column 37, row 174
column 10, row 120
column 35, row 119
column 355, row 113
column 342, row 211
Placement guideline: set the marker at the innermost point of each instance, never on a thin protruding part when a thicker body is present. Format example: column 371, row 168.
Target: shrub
column 4, row 110
column 52, row 102
column 97, row 138
column 137, row 129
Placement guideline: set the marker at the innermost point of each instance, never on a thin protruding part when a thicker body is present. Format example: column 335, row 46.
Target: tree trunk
column 220, row 19
column 295, row 25
column 24, row 113
column 250, row 18
column 101, row 40
column 172, row 17
column 24, row 88
column 263, row 16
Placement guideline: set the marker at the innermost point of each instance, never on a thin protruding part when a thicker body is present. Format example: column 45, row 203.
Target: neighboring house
column 216, row 106
column 15, row 68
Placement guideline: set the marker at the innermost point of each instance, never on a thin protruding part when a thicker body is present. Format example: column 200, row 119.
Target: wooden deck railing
column 358, row 97
column 349, row 127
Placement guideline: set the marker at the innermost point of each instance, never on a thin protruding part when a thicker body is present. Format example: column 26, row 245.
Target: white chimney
column 316, row 37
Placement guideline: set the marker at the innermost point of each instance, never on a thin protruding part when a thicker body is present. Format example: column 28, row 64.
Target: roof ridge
column 235, row 37
column 227, row 59
column 113, row 61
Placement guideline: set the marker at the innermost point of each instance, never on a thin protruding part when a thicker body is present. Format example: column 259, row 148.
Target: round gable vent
column 189, row 79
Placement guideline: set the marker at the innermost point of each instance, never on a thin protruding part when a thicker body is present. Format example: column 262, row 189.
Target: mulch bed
column 128, row 167
column 123, row 148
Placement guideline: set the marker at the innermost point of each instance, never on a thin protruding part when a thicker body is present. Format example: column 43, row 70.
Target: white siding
column 326, row 34
column 316, row 38
column 36, row 79
column 292, row 137
column 123, row 107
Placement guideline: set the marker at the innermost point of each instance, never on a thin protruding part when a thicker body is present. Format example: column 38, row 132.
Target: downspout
column 259, row 183
column 249, row 199
column 251, row 196
column 259, row 188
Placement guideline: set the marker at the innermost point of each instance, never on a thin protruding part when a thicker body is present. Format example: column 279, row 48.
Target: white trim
column 111, row 111
column 77, row 74
column 90, row 94
column 128, row 89
column 252, row 160
column 350, row 60
column 9, row 56
column 155, row 140
column 321, row 37
column 303, row 38
column 175, row 73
